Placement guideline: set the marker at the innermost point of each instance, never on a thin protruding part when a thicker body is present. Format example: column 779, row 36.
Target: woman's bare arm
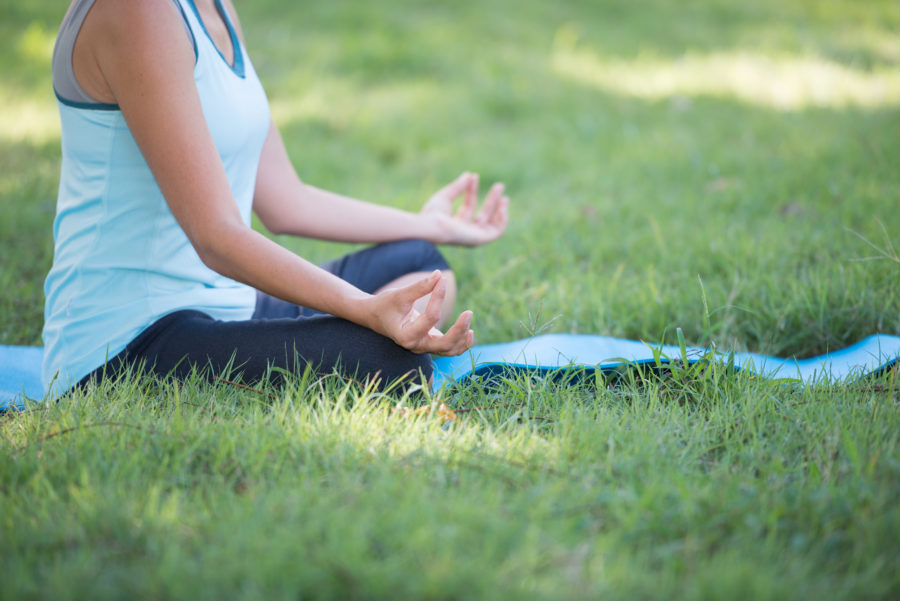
column 286, row 205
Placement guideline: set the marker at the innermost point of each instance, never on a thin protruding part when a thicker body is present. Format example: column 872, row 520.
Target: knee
column 450, row 281
column 424, row 254
column 449, row 296
column 429, row 259
column 432, row 258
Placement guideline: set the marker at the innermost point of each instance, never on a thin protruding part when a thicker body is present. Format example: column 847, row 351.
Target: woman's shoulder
column 133, row 21
column 119, row 35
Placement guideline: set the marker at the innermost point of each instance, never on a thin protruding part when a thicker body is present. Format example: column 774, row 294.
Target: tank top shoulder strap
column 204, row 45
column 65, row 85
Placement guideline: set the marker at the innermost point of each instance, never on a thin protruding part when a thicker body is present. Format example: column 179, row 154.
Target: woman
column 167, row 148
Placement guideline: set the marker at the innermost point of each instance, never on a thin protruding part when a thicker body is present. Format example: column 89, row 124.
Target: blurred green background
column 716, row 166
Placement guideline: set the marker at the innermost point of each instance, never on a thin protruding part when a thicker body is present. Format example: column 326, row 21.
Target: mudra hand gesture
column 395, row 315
column 411, row 315
column 468, row 226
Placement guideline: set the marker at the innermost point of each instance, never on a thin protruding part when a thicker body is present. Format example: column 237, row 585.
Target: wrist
column 358, row 308
column 433, row 227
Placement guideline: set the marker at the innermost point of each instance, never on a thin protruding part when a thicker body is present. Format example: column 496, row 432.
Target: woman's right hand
column 392, row 314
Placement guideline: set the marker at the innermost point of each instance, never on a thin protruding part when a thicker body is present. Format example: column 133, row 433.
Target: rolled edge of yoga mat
column 553, row 352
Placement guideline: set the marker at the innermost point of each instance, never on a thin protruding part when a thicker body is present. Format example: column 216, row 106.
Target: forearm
column 286, row 205
column 330, row 216
column 247, row 256
column 242, row 254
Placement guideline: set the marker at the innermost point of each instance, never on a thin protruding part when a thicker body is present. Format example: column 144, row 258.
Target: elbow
column 215, row 246
column 269, row 218
column 213, row 258
column 273, row 226
column 282, row 212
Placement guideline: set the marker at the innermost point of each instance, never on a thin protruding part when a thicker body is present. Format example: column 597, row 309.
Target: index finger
column 470, row 201
column 457, row 339
column 491, row 203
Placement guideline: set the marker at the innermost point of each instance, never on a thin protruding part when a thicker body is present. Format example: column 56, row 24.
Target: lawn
column 725, row 168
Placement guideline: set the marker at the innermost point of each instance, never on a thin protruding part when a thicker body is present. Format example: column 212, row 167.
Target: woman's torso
column 121, row 261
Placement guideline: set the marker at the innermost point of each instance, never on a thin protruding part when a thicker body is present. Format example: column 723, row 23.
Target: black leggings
column 281, row 334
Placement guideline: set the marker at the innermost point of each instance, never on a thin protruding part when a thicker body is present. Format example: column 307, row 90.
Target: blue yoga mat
column 20, row 375
column 20, row 366
column 552, row 352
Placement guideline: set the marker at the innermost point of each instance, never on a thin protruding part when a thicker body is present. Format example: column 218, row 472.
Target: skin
column 135, row 53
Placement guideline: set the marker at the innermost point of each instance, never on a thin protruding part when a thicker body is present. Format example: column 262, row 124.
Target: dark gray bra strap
column 64, row 83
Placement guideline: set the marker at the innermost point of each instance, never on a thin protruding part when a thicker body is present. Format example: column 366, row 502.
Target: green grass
column 712, row 166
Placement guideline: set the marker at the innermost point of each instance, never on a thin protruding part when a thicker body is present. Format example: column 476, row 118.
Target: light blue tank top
column 121, row 261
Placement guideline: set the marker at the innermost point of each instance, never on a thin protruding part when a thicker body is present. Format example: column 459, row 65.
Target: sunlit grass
column 36, row 42
column 774, row 81
column 714, row 485
column 28, row 113
column 340, row 101
column 31, row 121
column 883, row 45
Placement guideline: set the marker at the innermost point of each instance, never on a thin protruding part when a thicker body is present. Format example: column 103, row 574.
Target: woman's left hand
column 391, row 313
column 468, row 226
